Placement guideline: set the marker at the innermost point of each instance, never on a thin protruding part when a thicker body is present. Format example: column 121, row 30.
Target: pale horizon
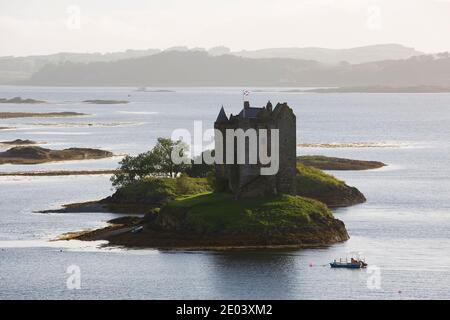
column 191, row 48
column 47, row 27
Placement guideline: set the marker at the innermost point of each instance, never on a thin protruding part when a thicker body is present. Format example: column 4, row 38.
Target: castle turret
column 222, row 117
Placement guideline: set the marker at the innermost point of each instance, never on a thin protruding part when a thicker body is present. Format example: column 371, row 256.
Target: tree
column 165, row 151
column 156, row 162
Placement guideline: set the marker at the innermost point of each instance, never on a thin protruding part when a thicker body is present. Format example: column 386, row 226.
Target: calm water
column 403, row 229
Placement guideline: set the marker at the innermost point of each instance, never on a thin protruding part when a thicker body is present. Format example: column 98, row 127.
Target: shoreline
column 122, row 236
column 338, row 164
column 57, row 173
column 76, row 235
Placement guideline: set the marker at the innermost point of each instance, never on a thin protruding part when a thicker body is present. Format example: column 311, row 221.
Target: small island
column 99, row 101
column 357, row 144
column 145, row 89
column 332, row 163
column 12, row 115
column 18, row 142
column 382, row 89
column 201, row 206
column 19, row 100
column 188, row 213
column 36, row 155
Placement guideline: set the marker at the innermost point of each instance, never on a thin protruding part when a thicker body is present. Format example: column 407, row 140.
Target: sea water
column 403, row 230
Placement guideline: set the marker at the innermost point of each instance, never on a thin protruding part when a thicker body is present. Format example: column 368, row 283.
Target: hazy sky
column 49, row 26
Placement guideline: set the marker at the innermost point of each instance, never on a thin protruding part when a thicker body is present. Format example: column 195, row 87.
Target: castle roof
column 250, row 112
column 222, row 117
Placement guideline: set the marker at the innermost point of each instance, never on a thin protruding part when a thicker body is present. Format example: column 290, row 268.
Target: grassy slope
column 192, row 216
column 219, row 212
column 160, row 190
column 156, row 192
column 314, row 180
column 316, row 184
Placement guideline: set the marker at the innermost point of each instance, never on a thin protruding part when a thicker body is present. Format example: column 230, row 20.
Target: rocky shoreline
column 316, row 184
column 337, row 197
column 152, row 237
column 171, row 229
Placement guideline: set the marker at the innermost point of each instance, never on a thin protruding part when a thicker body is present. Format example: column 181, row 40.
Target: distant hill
column 13, row 69
column 20, row 68
column 381, row 89
column 175, row 68
column 334, row 56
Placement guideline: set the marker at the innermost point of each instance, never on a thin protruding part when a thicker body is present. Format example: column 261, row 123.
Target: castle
column 245, row 180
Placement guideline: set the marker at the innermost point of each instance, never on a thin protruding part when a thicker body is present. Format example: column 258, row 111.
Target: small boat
column 137, row 229
column 353, row 264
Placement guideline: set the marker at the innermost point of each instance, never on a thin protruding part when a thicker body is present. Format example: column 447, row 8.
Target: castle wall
column 288, row 153
column 244, row 180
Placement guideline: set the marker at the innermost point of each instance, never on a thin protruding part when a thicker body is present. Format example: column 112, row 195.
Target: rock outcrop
column 20, row 100
column 35, row 155
column 18, row 142
column 332, row 163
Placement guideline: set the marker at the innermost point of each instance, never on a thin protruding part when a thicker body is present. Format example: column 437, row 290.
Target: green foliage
column 187, row 186
column 310, row 160
column 148, row 190
column 312, row 180
column 211, row 178
column 133, row 169
column 159, row 190
column 332, row 163
column 156, row 162
column 220, row 212
column 164, row 153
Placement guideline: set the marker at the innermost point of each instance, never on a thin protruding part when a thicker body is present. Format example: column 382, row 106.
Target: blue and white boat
column 353, row 264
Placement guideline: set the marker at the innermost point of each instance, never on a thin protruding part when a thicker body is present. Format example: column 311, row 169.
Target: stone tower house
column 245, row 180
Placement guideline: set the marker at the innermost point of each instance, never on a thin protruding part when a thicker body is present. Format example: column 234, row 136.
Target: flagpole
column 245, row 93
column 243, row 101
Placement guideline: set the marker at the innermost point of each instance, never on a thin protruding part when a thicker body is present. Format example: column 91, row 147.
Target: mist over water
column 403, row 228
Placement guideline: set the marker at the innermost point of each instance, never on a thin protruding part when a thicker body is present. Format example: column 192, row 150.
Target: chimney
column 246, row 104
column 269, row 106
